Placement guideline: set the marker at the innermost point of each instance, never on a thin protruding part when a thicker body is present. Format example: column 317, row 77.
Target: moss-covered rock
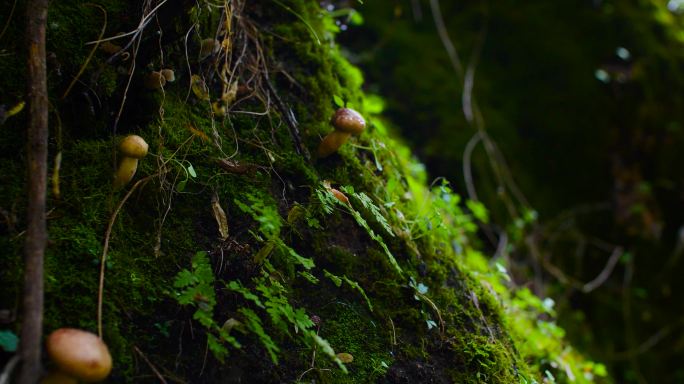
column 391, row 278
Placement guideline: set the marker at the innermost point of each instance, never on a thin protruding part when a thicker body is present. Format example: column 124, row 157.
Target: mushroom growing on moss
column 133, row 148
column 155, row 80
column 168, row 74
column 346, row 122
column 331, row 142
column 79, row 355
column 209, row 47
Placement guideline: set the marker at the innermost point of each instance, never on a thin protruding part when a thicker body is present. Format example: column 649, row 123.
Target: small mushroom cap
column 209, row 47
column 80, row 354
column 345, row 357
column 155, row 80
column 110, row 48
column 348, row 120
column 133, row 146
column 169, row 75
column 340, row 196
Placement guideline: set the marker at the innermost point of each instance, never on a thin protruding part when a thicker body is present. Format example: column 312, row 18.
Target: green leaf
column 373, row 210
column 422, row 288
column 600, row 370
column 373, row 104
column 338, row 101
column 303, row 261
column 335, row 279
column 393, row 262
column 191, row 171
column 308, row 276
column 355, row 18
column 184, row 278
column 264, row 252
column 180, row 187
column 8, row 341
column 358, row 288
column 430, row 324
column 204, row 317
column 327, row 349
column 236, row 286
column 549, row 376
column 265, row 214
column 225, row 336
column 478, row 209
column 327, row 200
column 217, row 349
column 253, row 323
column 502, row 271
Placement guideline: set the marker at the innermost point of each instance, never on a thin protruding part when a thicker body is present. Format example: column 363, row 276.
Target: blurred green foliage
column 584, row 101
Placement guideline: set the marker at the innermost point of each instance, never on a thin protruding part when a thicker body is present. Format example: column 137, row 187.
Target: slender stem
column 108, row 233
column 36, row 232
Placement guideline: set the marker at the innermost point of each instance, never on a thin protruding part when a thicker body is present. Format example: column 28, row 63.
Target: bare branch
column 36, row 233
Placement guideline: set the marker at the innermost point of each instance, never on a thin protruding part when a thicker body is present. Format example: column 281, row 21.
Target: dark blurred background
column 565, row 118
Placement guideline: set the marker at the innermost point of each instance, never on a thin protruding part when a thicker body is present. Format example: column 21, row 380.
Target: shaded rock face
column 229, row 241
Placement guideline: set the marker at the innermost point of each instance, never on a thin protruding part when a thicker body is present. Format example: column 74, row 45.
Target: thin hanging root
column 436, row 309
column 90, row 55
column 55, row 176
column 108, row 234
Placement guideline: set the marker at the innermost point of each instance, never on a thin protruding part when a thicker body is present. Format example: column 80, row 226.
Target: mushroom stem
column 331, row 142
column 155, row 80
column 125, row 172
column 132, row 148
column 58, row 377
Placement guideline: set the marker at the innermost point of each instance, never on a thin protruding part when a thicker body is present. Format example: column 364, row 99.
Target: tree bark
column 36, row 233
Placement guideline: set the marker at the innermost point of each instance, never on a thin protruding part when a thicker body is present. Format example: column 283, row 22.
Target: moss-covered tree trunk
column 234, row 255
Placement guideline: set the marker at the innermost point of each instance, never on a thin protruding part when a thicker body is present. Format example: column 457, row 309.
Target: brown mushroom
column 79, row 354
column 340, row 196
column 133, row 148
column 209, row 47
column 346, row 122
column 110, row 48
column 155, row 80
column 331, row 142
column 345, row 357
column 168, row 74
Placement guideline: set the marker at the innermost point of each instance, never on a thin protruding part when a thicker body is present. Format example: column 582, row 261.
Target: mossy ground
column 435, row 321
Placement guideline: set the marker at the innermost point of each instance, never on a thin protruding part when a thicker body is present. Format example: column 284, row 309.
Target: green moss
column 435, row 315
column 348, row 329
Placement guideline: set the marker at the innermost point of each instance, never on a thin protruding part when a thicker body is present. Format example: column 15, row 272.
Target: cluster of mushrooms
column 346, row 122
column 78, row 356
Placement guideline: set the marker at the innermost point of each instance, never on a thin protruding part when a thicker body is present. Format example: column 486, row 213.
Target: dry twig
column 36, row 234
column 149, row 364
